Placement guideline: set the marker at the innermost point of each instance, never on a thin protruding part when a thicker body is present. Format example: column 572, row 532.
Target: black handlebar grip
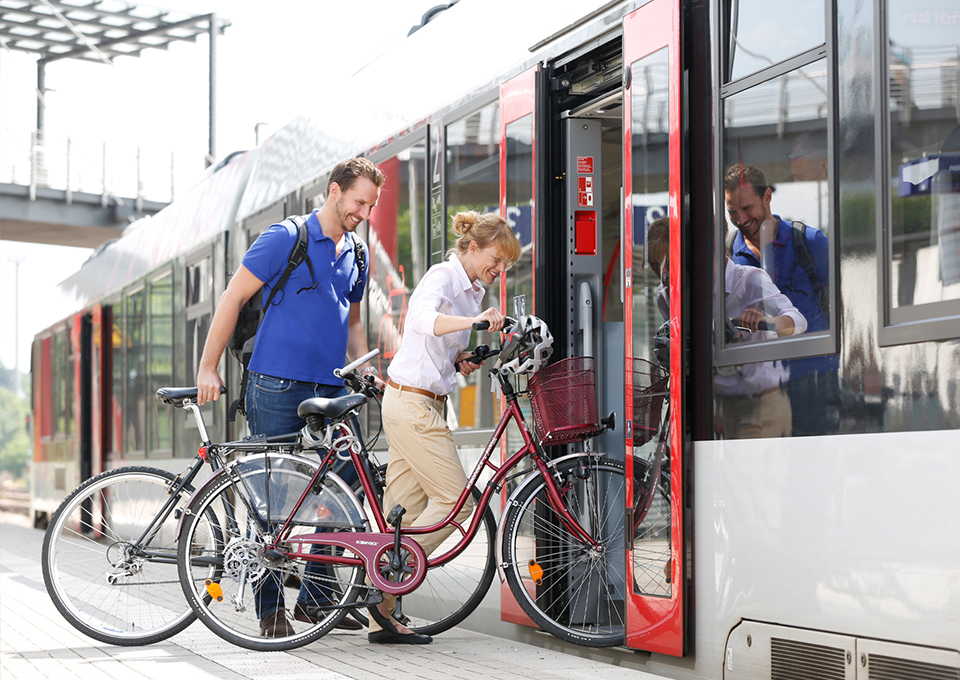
column 766, row 326
column 481, row 325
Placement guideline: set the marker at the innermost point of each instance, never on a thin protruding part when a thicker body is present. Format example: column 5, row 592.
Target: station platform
column 36, row 642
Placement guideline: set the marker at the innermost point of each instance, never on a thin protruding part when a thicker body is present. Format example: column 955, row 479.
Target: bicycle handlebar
column 340, row 372
column 484, row 325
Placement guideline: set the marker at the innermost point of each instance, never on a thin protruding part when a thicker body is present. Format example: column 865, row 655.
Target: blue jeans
column 272, row 410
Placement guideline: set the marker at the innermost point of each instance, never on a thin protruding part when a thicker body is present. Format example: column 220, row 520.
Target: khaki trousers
column 424, row 473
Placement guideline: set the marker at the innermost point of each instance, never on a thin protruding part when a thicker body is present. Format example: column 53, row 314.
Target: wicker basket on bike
column 564, row 394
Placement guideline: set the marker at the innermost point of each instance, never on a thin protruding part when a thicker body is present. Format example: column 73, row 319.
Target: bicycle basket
column 564, row 400
column 650, row 387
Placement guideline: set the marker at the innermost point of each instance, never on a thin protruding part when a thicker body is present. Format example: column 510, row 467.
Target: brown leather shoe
column 276, row 625
column 311, row 614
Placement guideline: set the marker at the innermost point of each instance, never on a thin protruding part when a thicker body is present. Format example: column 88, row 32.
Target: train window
column 160, row 361
column 398, row 253
column 650, row 137
column 775, row 186
column 650, row 189
column 198, row 285
column 135, row 392
column 117, row 382
column 762, row 33
column 472, row 182
column 774, row 261
column 62, row 387
column 922, row 269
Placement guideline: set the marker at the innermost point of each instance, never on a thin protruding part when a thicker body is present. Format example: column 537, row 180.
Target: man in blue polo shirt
column 310, row 328
column 765, row 240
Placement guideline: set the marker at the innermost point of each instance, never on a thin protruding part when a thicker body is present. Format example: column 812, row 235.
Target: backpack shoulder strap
column 804, row 258
column 360, row 253
column 297, row 255
column 730, row 238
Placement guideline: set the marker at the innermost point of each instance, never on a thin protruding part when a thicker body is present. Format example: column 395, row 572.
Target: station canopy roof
column 97, row 30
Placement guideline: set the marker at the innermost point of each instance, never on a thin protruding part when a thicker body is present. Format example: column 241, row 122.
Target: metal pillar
column 212, row 153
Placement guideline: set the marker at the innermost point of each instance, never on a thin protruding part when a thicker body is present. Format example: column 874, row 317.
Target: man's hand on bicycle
column 209, row 385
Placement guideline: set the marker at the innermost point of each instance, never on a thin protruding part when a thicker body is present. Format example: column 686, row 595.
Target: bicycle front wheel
column 567, row 587
column 109, row 559
column 263, row 600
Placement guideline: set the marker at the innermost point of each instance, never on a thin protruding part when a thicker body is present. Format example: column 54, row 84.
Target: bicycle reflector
column 215, row 591
column 202, row 451
column 536, row 572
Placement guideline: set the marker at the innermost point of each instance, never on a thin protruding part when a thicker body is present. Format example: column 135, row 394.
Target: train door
column 651, row 257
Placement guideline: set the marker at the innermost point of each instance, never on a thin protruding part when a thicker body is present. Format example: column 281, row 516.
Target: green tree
column 14, row 440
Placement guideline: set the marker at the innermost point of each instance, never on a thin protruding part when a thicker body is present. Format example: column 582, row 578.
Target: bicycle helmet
column 528, row 346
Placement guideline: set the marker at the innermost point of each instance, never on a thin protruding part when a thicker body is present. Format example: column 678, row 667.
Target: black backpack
column 244, row 336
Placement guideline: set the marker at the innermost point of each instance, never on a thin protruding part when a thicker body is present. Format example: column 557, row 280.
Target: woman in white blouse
column 424, row 474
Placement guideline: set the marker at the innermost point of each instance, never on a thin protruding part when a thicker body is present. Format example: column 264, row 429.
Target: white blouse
column 425, row 360
column 752, row 288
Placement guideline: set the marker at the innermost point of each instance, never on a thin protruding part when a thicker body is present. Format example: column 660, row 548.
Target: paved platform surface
column 36, row 642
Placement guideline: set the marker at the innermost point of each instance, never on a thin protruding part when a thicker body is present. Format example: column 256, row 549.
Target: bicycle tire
column 652, row 550
column 452, row 591
column 579, row 595
column 91, row 534
column 239, row 489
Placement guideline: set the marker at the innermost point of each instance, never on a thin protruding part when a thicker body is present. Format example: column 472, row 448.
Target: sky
column 266, row 59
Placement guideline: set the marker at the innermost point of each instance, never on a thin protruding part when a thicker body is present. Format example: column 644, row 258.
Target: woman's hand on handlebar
column 490, row 319
column 755, row 320
column 464, row 365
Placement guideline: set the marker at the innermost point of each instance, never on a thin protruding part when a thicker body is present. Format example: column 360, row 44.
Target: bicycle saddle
column 330, row 408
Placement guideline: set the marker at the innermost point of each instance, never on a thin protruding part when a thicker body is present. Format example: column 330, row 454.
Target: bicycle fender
column 528, row 480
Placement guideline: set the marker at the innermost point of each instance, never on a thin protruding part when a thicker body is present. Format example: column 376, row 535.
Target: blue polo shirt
column 780, row 262
column 303, row 336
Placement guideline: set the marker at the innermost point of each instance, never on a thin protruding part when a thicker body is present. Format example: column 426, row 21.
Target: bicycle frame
column 371, row 545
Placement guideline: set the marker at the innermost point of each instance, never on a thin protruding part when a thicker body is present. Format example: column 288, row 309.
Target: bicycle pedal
column 393, row 519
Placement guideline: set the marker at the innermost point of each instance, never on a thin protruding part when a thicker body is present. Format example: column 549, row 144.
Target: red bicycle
column 560, row 543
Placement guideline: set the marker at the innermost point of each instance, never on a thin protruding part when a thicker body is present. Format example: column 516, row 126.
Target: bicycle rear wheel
column 107, row 575
column 252, row 498
column 568, row 588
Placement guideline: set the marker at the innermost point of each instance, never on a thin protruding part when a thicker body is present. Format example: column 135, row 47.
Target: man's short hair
column 347, row 172
column 739, row 176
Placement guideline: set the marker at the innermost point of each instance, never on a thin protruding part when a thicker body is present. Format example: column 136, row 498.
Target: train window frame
column 823, row 342
column 925, row 322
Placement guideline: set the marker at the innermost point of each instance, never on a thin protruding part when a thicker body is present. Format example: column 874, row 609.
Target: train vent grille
column 792, row 660
column 890, row 668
